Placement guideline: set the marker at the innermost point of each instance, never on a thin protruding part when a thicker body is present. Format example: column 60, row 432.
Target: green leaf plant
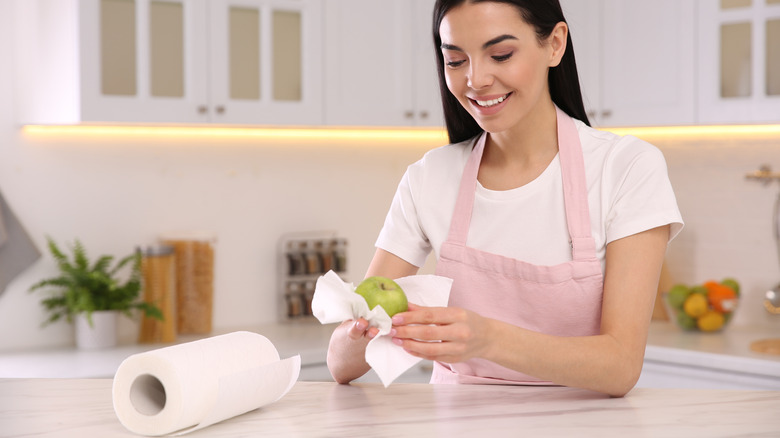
column 84, row 287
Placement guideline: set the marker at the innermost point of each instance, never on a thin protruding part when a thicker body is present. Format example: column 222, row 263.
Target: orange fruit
column 722, row 298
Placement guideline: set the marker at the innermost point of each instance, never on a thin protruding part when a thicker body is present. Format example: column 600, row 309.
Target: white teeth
column 487, row 103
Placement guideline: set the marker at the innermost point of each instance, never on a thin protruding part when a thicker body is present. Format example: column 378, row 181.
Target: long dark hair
column 563, row 80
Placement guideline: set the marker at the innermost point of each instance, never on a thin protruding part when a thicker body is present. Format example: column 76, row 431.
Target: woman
column 554, row 233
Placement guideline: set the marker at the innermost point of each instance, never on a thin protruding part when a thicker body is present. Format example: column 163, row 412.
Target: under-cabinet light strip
column 697, row 131
column 359, row 133
column 313, row 134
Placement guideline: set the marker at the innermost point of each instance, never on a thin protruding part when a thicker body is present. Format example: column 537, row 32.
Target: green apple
column 677, row 296
column 382, row 291
column 731, row 283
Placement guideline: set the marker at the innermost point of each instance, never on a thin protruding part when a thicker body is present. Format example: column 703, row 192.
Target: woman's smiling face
column 494, row 63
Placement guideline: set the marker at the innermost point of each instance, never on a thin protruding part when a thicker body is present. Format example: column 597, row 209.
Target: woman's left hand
column 445, row 334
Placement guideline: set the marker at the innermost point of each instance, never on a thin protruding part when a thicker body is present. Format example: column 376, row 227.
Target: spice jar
column 339, row 255
column 296, row 262
column 313, row 265
column 159, row 286
column 325, row 253
column 294, row 300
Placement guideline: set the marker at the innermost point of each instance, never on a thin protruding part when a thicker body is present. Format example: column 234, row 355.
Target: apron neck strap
column 461, row 217
column 575, row 188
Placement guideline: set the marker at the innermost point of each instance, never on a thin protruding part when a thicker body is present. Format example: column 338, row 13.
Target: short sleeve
column 402, row 234
column 641, row 195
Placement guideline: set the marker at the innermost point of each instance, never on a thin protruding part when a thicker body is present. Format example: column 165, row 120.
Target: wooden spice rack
column 302, row 259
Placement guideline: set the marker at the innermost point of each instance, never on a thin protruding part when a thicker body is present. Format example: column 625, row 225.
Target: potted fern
column 92, row 295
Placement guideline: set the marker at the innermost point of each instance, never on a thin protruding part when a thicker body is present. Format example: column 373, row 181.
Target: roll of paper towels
column 187, row 387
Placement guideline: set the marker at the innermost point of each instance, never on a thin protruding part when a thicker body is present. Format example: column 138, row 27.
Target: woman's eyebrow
column 497, row 40
column 492, row 42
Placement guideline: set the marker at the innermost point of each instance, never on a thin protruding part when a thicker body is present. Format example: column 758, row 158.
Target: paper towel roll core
column 147, row 395
column 190, row 386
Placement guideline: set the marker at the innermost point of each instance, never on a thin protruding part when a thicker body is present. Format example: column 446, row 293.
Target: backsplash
column 728, row 218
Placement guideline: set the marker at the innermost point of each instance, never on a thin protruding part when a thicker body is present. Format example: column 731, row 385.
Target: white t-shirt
column 628, row 192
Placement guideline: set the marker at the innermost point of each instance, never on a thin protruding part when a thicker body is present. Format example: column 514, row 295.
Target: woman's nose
column 478, row 76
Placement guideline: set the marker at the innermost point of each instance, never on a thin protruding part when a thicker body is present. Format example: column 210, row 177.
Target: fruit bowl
column 707, row 307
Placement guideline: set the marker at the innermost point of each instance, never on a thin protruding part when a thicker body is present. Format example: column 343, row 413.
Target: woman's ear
column 557, row 40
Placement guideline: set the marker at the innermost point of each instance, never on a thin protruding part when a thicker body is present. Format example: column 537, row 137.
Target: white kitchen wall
column 117, row 193
column 728, row 230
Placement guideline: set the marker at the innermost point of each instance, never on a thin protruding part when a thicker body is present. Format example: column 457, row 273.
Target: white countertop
column 83, row 408
column 308, row 339
column 726, row 352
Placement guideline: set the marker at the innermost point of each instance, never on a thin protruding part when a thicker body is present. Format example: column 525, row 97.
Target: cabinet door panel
column 739, row 69
column 243, row 53
column 166, row 49
column 265, row 61
column 118, row 38
column 164, row 82
column 427, row 98
column 773, row 57
column 367, row 65
column 287, row 56
column 648, row 69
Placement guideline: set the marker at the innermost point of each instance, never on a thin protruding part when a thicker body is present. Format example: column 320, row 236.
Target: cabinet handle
column 409, row 114
column 220, row 109
column 423, row 114
column 202, row 109
column 606, row 113
column 591, row 114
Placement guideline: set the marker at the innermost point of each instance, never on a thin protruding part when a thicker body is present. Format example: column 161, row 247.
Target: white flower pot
column 102, row 332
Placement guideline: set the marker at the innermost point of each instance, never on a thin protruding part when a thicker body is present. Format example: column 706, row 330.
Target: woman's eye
column 501, row 58
column 453, row 64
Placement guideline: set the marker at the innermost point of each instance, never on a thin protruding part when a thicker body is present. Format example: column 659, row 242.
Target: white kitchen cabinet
column 379, row 64
column 675, row 358
column 657, row 374
column 180, row 61
column 635, row 59
column 667, row 367
column 739, row 61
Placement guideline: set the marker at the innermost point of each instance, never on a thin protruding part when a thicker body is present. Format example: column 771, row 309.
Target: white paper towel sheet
column 336, row 301
column 187, row 387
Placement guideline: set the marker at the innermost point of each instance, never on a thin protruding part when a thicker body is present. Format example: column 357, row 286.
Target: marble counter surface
column 83, row 408
column 728, row 350
column 310, row 340
column 733, row 341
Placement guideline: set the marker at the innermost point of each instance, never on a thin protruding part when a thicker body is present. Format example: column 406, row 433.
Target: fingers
column 429, row 315
column 360, row 328
column 439, row 333
column 440, row 351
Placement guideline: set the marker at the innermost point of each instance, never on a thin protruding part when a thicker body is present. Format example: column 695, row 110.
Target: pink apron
column 561, row 300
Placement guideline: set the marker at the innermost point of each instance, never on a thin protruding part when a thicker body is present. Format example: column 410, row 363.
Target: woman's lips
column 489, row 104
